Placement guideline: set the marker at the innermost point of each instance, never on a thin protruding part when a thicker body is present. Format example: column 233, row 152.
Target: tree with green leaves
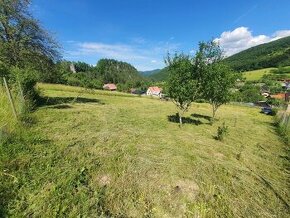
column 23, row 42
column 216, row 78
column 25, row 46
column 217, row 85
column 182, row 88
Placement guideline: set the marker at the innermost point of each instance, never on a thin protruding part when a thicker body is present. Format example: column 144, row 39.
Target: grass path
column 115, row 155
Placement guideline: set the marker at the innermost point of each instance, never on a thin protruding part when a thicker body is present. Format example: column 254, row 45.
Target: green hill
column 90, row 153
column 162, row 75
column 113, row 71
column 272, row 54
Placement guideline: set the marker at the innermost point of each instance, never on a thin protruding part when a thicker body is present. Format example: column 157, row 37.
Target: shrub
column 275, row 102
column 85, row 80
column 222, row 131
column 274, row 111
column 24, row 80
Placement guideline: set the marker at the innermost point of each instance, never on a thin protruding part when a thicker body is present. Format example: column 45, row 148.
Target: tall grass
column 8, row 122
column 283, row 125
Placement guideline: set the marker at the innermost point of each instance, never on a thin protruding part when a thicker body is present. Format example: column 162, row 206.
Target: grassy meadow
column 255, row 75
column 108, row 154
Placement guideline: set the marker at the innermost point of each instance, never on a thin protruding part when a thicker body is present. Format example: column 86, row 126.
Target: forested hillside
column 162, row 75
column 111, row 70
column 272, row 54
column 106, row 71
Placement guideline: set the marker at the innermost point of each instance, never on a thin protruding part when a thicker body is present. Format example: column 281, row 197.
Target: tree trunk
column 214, row 109
column 180, row 119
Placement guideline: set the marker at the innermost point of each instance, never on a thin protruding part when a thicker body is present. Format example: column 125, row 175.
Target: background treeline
column 106, row 71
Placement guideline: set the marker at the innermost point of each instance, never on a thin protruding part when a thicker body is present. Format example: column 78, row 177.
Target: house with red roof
column 282, row 96
column 154, row 91
column 110, row 87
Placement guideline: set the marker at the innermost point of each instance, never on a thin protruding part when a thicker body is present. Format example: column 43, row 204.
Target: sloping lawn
column 95, row 153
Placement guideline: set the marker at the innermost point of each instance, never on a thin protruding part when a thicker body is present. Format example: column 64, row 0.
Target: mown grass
column 109, row 155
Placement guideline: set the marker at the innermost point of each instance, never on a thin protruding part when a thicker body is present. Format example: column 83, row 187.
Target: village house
column 154, row 91
column 110, row 87
column 281, row 96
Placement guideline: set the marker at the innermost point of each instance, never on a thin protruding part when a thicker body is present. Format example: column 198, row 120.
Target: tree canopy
column 113, row 71
column 216, row 78
column 23, row 42
column 182, row 87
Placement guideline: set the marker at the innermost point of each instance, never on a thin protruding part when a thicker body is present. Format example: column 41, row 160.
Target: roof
column 155, row 89
column 279, row 96
column 110, row 86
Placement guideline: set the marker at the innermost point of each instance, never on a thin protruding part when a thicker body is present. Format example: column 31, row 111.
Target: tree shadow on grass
column 188, row 120
column 63, row 102
column 200, row 116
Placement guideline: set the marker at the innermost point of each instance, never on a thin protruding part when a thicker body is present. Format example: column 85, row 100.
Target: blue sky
column 141, row 32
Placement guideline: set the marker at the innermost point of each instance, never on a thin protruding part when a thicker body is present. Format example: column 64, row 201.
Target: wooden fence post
column 10, row 97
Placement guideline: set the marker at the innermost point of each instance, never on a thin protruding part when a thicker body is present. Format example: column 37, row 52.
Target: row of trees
column 203, row 76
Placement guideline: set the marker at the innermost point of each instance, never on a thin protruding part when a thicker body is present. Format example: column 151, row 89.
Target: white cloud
column 118, row 51
column 280, row 34
column 145, row 56
column 242, row 38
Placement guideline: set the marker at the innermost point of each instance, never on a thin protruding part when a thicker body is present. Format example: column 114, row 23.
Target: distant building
column 281, row 96
column 110, row 87
column 154, row 91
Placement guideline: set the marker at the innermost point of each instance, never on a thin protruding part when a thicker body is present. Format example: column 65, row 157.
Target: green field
column 101, row 154
column 255, row 75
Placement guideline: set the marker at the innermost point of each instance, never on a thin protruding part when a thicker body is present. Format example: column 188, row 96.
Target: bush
column 283, row 126
column 274, row 111
column 250, row 93
column 3, row 70
column 23, row 82
column 85, row 80
column 222, row 131
column 275, row 102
